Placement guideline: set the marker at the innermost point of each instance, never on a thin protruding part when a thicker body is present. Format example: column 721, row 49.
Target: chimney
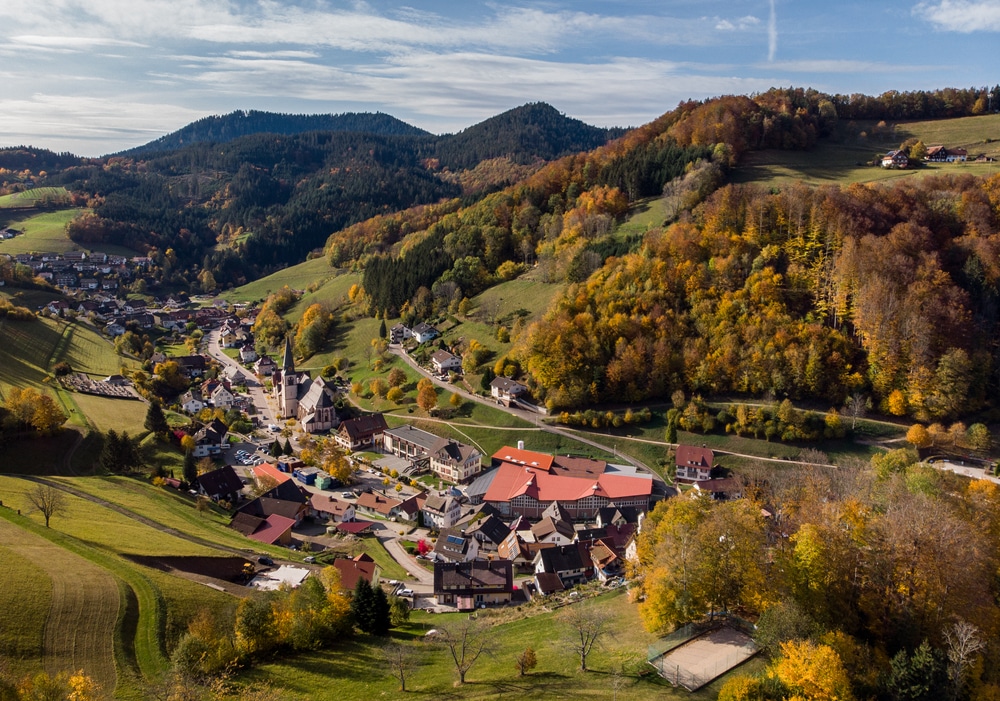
column 520, row 445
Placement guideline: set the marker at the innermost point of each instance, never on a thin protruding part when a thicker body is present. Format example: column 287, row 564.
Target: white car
column 405, row 592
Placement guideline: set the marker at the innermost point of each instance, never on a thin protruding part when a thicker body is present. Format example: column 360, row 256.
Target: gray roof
column 414, row 435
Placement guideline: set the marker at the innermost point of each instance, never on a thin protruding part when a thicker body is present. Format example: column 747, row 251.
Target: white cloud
column 742, row 24
column 74, row 42
column 964, row 16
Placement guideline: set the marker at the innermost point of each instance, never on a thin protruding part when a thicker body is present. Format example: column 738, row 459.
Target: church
column 312, row 402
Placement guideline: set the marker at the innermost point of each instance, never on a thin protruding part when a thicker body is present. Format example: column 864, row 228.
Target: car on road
column 273, row 427
column 347, row 495
column 309, row 559
column 405, row 592
column 265, row 560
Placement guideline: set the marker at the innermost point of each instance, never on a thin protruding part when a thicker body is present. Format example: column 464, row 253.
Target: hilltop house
column 693, row 463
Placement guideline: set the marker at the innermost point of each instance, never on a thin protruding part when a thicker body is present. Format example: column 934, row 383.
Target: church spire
column 287, row 364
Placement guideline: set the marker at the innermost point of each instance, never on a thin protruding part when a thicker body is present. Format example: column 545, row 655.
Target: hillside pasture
column 25, row 598
column 26, row 351
column 79, row 624
column 42, row 232
column 842, row 163
column 297, row 277
column 45, row 196
column 87, row 351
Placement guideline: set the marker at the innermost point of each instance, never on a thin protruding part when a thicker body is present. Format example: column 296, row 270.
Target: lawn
column 43, row 232
column 333, row 674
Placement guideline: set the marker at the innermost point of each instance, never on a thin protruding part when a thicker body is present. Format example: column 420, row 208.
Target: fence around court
column 692, row 681
column 690, row 631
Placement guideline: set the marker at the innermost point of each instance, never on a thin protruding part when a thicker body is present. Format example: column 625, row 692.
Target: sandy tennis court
column 694, row 664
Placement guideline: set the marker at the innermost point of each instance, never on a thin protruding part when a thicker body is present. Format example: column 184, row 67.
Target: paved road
column 256, row 390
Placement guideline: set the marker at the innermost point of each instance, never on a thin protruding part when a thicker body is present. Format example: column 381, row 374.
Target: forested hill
column 221, row 129
column 523, row 134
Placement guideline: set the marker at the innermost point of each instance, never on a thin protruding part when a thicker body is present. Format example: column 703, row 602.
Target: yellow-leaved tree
column 812, row 672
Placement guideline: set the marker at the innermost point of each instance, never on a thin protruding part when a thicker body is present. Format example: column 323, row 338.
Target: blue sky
column 98, row 76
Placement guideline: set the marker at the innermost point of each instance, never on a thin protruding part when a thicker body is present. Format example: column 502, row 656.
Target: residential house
column 424, row 332
column 270, row 530
column 570, row 562
column 325, row 507
column 114, row 329
column 719, row 489
column 447, row 458
column 489, row 531
column 409, row 509
column 453, row 546
column 192, row 365
column 445, row 362
column 89, row 283
column 693, row 463
column 360, row 567
column 454, row 461
column 248, row 353
column 441, row 512
column 506, row 391
column 895, row 159
column 210, row 439
column 361, row 432
column 550, row 530
column 399, row 333
column 65, row 280
column 222, row 398
column 266, row 506
column 471, row 585
column 378, row 503
column 191, row 401
column 221, row 485
column 265, row 366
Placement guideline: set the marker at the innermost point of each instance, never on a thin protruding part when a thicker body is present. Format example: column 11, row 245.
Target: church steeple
column 287, row 364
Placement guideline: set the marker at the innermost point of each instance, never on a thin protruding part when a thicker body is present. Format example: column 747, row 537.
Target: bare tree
column 467, row 641
column 48, row 501
column 587, row 625
column 857, row 406
column 400, row 659
column 964, row 644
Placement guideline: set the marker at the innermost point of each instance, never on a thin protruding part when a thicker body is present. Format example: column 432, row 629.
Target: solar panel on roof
column 455, row 540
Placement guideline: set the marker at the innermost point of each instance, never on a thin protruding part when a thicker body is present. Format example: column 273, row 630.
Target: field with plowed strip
column 79, row 625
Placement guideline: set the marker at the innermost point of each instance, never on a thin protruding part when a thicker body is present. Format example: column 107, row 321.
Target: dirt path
column 80, row 626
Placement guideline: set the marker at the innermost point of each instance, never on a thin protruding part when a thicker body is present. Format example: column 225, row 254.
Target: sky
column 99, row 76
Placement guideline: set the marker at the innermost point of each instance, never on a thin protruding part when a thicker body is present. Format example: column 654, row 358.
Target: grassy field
column 25, row 598
column 45, row 231
column 843, row 163
column 297, row 277
column 31, row 198
column 333, row 674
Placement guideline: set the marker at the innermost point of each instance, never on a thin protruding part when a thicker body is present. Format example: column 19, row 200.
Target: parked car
column 405, row 592
column 309, row 558
column 265, row 560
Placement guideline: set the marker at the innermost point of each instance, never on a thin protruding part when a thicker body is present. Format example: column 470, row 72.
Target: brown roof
column 378, row 502
column 692, row 456
column 353, row 570
column 364, row 426
column 245, row 523
column 476, row 576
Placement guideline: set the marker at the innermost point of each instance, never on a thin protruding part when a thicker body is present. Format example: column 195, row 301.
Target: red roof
column 528, row 458
column 354, row 527
column 353, row 570
column 513, row 481
column 270, row 470
column 272, row 529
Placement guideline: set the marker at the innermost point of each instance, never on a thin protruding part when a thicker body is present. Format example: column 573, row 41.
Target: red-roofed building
column 269, row 471
column 274, row 529
column 361, row 567
column 526, row 483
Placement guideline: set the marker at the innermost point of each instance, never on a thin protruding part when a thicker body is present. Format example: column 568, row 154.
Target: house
column 88, row 283
column 454, row 461
column 895, row 159
column 941, row 154
column 265, row 367
column 248, row 353
column 399, row 333
column 445, row 362
column 526, row 483
column 440, row 512
column 222, row 398
column 263, row 507
column 376, row 503
column 693, row 463
column 361, row 432
column 570, row 562
column 453, row 546
column 550, row 530
column 470, row 585
column 221, row 485
column 424, row 332
column 506, row 390
column 192, row 365
column 65, row 280
column 272, row 530
column 325, row 507
column 360, row 567
column 191, row 401
column 719, row 489
column 409, row 509
column 210, row 439
column 489, row 531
